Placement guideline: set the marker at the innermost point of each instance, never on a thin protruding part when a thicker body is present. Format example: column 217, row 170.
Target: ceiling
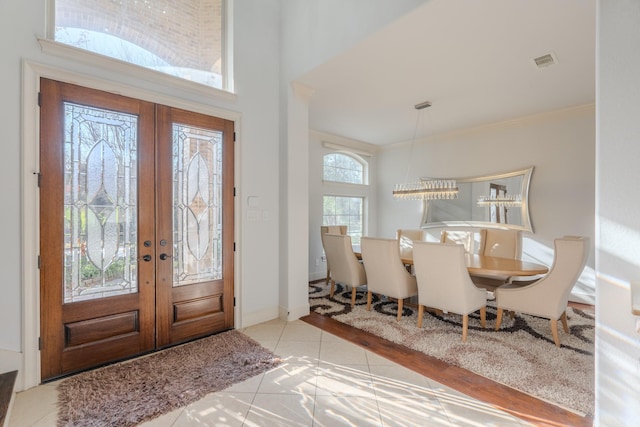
column 472, row 59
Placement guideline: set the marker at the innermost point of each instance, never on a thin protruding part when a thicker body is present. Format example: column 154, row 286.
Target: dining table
column 483, row 265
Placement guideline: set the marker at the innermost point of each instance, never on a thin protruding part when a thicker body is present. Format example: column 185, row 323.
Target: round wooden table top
column 489, row 265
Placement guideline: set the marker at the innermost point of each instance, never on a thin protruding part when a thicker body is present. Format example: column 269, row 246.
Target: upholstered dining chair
column 405, row 238
column 332, row 229
column 444, row 282
column 548, row 296
column 386, row 274
column 345, row 267
column 498, row 243
column 464, row 238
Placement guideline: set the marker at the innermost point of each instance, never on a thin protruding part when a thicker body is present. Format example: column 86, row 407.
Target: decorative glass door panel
column 194, row 225
column 197, row 204
column 100, row 203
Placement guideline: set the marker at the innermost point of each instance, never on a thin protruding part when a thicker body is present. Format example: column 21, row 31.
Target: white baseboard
column 296, row 312
column 261, row 316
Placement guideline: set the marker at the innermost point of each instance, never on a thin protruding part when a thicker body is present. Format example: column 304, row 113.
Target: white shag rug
column 521, row 355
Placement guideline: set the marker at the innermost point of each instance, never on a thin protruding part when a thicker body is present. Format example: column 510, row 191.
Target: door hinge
column 234, row 301
column 39, row 260
column 39, row 343
column 39, row 99
column 234, row 246
column 39, row 178
column 234, row 137
column 234, row 191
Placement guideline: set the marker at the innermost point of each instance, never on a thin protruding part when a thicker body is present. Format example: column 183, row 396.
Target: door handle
column 146, row 258
column 164, row 256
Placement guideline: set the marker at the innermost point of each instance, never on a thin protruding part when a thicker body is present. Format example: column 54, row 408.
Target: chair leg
column 554, row 332
column 512, row 314
column 499, row 318
column 483, row 317
column 565, row 326
column 353, row 296
column 400, row 304
column 465, row 326
column 420, row 314
column 369, row 301
column 333, row 288
column 328, row 276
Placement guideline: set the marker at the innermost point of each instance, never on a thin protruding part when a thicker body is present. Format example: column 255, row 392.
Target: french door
column 136, row 227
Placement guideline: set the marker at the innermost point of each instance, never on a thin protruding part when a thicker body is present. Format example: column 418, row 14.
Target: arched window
column 340, row 167
column 344, row 203
column 183, row 39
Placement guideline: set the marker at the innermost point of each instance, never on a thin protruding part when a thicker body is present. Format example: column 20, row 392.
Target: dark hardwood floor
column 7, row 381
column 519, row 404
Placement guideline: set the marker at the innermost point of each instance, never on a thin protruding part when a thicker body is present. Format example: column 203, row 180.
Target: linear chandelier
column 425, row 189
column 508, row 201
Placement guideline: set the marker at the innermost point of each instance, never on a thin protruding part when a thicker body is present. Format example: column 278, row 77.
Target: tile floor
column 324, row 381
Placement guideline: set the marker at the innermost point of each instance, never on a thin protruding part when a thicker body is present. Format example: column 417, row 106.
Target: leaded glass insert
column 100, row 203
column 197, row 204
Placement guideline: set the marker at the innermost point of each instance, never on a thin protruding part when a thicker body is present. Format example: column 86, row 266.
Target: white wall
column 561, row 147
column 618, row 212
column 316, row 30
column 257, row 52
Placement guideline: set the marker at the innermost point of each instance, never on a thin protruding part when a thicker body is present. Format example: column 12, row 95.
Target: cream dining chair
column 464, row 238
column 386, row 274
column 498, row 243
column 444, row 282
column 345, row 267
column 332, row 229
column 405, row 238
column 548, row 296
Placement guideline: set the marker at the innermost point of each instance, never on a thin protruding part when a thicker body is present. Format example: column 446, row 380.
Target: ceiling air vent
column 545, row 60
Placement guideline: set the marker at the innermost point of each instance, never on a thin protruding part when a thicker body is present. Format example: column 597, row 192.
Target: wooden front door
column 136, row 227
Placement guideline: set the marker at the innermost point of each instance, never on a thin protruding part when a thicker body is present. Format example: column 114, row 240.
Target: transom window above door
column 185, row 39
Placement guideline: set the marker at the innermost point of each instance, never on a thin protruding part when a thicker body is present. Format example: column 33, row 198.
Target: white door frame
column 29, row 373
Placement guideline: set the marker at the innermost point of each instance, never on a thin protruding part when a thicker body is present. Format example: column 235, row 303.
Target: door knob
column 164, row 256
column 146, row 258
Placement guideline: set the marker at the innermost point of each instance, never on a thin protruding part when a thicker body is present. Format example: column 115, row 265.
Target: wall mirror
column 499, row 201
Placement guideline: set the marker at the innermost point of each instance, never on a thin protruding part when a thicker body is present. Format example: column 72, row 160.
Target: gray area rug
column 131, row 392
column 521, row 355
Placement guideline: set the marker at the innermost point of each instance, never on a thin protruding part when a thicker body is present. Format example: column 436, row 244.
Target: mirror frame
column 524, row 209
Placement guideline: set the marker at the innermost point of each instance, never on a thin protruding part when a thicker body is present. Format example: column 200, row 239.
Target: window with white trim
column 185, row 39
column 343, row 201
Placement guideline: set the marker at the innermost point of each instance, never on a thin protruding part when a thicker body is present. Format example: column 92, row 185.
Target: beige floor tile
column 217, row 410
column 296, row 331
column 280, row 410
column 164, row 420
column 374, row 359
column 344, row 380
column 34, row 405
column 412, row 413
column 265, row 331
column 304, row 352
column 50, row 420
column 342, row 353
column 250, row 385
column 326, row 336
column 333, row 411
column 463, row 411
column 290, row 379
